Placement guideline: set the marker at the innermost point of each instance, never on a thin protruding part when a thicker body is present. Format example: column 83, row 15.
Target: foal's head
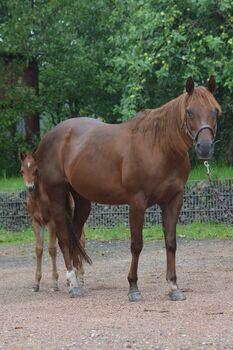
column 202, row 111
column 28, row 169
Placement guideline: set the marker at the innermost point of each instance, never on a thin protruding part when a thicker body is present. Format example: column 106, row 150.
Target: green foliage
column 110, row 59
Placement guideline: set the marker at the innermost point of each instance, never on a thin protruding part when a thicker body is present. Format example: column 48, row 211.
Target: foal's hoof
column 76, row 292
column 55, row 289
column 135, row 296
column 177, row 295
column 35, row 288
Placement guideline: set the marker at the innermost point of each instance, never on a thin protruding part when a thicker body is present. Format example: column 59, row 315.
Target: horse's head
column 202, row 111
column 28, row 169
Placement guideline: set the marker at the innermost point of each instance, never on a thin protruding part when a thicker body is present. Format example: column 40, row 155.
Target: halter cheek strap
column 194, row 137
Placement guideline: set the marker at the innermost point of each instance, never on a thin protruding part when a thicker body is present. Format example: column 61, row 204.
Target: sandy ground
column 104, row 318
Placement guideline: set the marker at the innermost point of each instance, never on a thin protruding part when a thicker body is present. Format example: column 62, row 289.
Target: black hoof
column 35, row 288
column 177, row 295
column 55, row 289
column 77, row 292
column 135, row 296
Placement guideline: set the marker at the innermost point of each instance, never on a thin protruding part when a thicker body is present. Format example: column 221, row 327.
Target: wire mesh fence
column 200, row 204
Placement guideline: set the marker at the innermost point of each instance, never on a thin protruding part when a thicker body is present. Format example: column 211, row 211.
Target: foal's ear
column 22, row 155
column 211, row 86
column 34, row 155
column 189, row 85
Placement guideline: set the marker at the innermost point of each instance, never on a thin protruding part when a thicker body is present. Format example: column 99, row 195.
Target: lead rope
column 214, row 190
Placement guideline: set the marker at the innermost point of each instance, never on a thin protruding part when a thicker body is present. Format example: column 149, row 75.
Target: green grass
column 217, row 172
column 193, row 231
column 11, row 184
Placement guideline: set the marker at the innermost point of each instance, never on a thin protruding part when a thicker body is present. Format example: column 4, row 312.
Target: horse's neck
column 162, row 129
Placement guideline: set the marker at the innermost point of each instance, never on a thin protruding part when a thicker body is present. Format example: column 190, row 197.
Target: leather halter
column 194, row 137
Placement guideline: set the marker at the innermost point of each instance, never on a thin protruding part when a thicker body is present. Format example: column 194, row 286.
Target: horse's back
column 55, row 144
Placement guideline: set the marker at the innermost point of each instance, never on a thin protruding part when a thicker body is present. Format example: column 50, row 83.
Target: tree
column 108, row 59
column 155, row 48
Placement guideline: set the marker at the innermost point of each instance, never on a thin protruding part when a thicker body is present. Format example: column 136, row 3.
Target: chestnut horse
column 140, row 162
column 38, row 209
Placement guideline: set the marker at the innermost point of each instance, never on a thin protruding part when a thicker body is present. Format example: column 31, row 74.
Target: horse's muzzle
column 204, row 150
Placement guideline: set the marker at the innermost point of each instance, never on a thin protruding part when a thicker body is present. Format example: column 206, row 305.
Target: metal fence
column 200, row 204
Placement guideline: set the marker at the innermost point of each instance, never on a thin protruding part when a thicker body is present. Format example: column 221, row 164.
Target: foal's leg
column 170, row 214
column 81, row 214
column 39, row 237
column 53, row 254
column 136, row 218
column 57, row 199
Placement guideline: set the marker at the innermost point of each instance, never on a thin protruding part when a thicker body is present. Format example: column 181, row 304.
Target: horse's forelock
column 203, row 96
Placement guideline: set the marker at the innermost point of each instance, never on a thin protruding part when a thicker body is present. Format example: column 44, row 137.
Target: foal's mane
column 165, row 124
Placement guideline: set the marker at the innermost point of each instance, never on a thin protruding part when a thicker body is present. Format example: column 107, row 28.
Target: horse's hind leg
column 81, row 213
column 53, row 255
column 57, row 199
column 136, row 216
column 78, row 261
column 39, row 237
column 170, row 214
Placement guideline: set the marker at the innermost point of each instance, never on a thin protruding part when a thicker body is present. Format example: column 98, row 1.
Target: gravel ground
column 104, row 318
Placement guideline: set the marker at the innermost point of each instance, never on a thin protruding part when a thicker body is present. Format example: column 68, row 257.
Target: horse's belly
column 100, row 193
column 101, row 186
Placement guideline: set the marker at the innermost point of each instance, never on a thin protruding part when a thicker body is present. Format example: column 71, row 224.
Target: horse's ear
column 189, row 85
column 211, row 86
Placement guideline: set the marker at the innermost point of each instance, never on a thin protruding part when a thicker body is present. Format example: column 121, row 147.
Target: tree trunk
column 32, row 121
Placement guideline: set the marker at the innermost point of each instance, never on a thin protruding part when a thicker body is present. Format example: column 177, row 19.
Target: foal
column 38, row 209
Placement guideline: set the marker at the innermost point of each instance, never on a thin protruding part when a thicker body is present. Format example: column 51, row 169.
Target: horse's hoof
column 35, row 288
column 177, row 295
column 77, row 292
column 55, row 289
column 135, row 296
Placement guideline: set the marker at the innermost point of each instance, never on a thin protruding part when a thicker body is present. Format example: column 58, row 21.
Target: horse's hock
column 200, row 204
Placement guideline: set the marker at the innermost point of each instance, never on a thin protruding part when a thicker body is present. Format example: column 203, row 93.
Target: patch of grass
column 24, row 236
column 11, row 184
column 210, row 230
column 217, row 172
column 193, row 231
column 122, row 232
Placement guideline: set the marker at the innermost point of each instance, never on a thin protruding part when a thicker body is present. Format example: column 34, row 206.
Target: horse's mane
column 164, row 124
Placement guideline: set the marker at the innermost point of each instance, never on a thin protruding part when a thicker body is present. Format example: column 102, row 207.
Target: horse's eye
column 214, row 113
column 190, row 113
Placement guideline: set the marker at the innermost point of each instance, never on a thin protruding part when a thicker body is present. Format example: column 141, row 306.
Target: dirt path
column 104, row 318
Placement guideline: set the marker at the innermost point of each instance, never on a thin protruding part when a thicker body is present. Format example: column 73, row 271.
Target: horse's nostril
column 198, row 145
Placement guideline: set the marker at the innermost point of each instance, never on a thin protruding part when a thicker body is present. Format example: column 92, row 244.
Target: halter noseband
column 203, row 127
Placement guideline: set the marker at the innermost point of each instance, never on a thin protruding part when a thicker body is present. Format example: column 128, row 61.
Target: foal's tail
column 75, row 247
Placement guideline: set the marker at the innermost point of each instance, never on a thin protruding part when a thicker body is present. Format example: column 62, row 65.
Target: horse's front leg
column 53, row 254
column 39, row 237
column 170, row 214
column 136, row 218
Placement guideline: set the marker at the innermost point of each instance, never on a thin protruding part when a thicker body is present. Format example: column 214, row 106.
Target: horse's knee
column 39, row 252
column 52, row 251
column 136, row 246
column 170, row 245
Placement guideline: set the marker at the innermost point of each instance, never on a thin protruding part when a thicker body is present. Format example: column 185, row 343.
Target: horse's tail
column 75, row 247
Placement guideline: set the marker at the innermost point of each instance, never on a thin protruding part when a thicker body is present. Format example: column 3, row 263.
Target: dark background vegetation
column 107, row 59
